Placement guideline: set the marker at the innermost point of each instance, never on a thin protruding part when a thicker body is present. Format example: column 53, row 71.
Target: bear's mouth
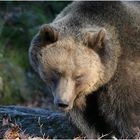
column 67, row 109
column 63, row 105
column 79, row 101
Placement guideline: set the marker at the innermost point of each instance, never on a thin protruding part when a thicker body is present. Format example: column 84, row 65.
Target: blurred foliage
column 19, row 22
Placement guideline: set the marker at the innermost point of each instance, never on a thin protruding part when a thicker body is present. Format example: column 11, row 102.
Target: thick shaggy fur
column 111, row 102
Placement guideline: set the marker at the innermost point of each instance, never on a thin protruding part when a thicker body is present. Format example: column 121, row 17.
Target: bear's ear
column 48, row 34
column 95, row 40
column 45, row 36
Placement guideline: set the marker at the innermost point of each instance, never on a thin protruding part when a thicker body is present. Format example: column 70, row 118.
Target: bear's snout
column 61, row 104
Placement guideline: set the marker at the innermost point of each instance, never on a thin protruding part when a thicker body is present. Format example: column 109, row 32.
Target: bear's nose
column 61, row 104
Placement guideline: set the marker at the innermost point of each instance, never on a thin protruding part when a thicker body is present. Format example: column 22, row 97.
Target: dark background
column 19, row 22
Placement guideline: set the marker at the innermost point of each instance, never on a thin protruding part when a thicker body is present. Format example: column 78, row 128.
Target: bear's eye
column 78, row 78
column 56, row 73
column 54, row 80
column 55, row 76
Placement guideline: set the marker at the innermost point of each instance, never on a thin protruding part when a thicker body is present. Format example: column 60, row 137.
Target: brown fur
column 77, row 60
column 90, row 57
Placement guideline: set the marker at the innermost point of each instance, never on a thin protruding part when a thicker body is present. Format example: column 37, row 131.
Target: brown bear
column 90, row 57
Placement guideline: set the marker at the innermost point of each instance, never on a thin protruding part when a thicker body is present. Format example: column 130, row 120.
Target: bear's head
column 72, row 69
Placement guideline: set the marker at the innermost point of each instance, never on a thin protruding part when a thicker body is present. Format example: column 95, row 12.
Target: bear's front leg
column 77, row 118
